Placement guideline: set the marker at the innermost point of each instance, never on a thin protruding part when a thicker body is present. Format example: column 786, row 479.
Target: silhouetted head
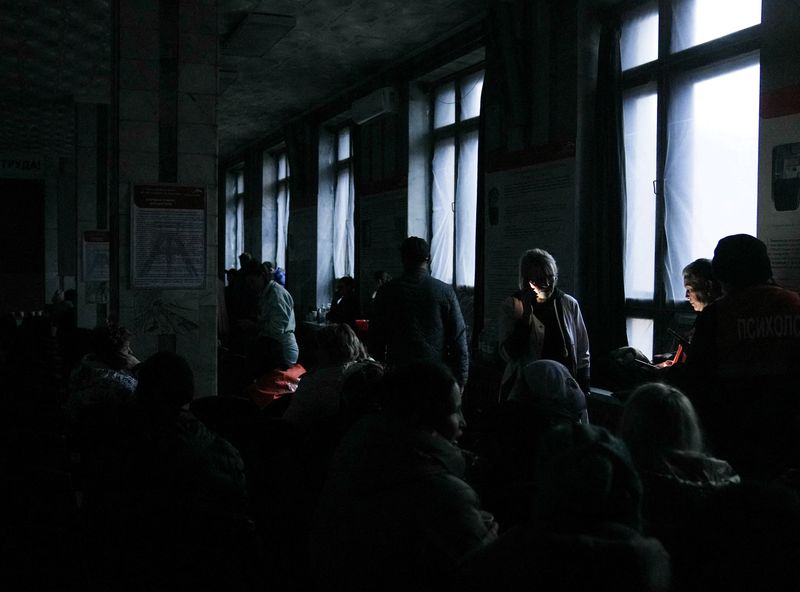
column 165, row 381
column 426, row 395
column 658, row 419
column 360, row 389
column 345, row 286
column 244, row 259
column 549, row 388
column 111, row 344
column 380, row 277
column 538, row 272
column 585, row 477
column 338, row 344
column 740, row 261
column 256, row 276
column 414, row 252
column 701, row 287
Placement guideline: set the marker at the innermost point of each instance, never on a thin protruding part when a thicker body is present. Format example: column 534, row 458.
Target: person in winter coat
column 396, row 513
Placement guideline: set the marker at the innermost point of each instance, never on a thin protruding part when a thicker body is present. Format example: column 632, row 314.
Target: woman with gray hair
column 542, row 322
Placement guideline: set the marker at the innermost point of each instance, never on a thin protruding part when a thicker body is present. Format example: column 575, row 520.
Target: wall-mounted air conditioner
column 377, row 103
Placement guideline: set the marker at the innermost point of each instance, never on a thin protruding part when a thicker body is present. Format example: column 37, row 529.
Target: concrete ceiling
column 57, row 52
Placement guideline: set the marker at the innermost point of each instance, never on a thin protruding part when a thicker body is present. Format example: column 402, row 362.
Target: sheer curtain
column 466, row 209
column 710, row 180
column 268, row 208
column 343, row 230
column 282, row 207
column 325, row 216
column 234, row 217
column 283, row 225
column 639, row 116
column 697, row 21
column 442, row 205
column 230, row 220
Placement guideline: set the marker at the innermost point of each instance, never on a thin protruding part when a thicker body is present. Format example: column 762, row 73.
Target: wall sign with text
column 168, row 236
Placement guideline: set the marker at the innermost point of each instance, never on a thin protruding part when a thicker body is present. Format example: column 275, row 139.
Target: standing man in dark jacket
column 417, row 317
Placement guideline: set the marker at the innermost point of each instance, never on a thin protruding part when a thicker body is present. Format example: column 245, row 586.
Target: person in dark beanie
column 744, row 361
column 418, row 318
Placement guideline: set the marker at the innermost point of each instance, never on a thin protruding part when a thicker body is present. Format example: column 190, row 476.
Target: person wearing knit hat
column 549, row 387
column 545, row 395
column 740, row 261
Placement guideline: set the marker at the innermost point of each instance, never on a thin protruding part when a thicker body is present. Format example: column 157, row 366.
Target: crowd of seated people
column 369, row 477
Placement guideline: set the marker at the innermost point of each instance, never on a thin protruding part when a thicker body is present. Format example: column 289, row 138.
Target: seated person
column 662, row 432
column 584, row 533
column 701, row 287
column 701, row 290
column 187, row 484
column 508, row 439
column 316, row 400
column 106, row 375
column 395, row 513
column 344, row 306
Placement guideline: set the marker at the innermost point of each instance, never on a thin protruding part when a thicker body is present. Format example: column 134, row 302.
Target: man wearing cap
column 743, row 366
column 417, row 317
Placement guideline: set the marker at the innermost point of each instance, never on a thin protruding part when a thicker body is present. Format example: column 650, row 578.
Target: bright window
column 455, row 108
column 343, row 206
column 275, row 207
column 234, row 216
column 690, row 115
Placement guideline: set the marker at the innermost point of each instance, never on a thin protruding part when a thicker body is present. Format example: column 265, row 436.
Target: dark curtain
column 603, row 290
column 302, row 146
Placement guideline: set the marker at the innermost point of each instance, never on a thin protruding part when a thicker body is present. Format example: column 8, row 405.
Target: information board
column 168, row 236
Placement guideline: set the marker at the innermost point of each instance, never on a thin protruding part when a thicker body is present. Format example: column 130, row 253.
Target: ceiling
column 278, row 59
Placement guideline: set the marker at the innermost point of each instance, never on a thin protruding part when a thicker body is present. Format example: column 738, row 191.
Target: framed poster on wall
column 168, row 236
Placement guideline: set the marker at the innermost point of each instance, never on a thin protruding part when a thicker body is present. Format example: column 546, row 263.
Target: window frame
column 456, row 131
column 340, row 164
column 234, row 202
column 662, row 72
column 276, row 153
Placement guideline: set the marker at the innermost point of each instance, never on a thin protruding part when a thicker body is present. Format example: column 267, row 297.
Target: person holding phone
column 540, row 321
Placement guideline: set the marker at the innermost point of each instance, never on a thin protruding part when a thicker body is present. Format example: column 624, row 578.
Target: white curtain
column 230, row 220
column 697, row 21
column 343, row 231
column 711, row 172
column 325, row 217
column 234, row 217
column 638, row 43
column 269, row 214
column 442, row 215
column 282, row 225
column 466, row 209
column 639, row 118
